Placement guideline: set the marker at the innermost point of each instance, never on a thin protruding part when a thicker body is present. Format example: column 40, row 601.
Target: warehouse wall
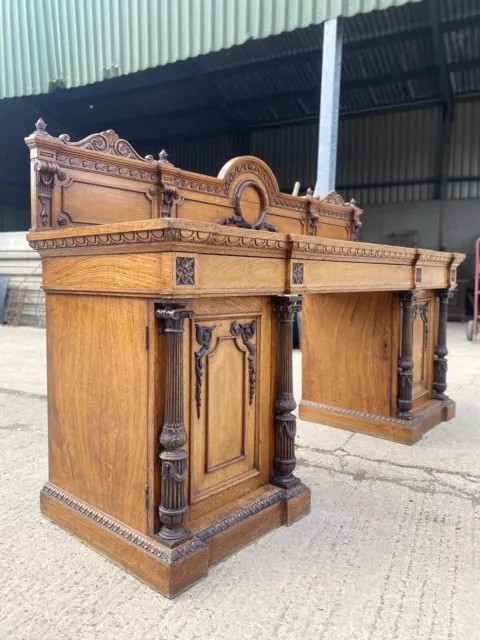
column 389, row 163
column 455, row 226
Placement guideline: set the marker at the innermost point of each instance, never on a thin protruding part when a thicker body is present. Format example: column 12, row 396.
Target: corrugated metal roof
column 54, row 43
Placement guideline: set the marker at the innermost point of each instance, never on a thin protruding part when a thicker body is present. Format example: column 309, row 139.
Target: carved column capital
column 285, row 307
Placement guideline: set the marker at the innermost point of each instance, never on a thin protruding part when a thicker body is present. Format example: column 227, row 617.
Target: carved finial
column 163, row 157
column 40, row 127
column 353, row 202
column 309, row 192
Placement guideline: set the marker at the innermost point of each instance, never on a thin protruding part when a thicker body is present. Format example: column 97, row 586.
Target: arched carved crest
column 244, row 164
column 106, row 142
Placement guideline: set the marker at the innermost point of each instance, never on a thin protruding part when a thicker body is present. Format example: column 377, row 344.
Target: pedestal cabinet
column 373, row 362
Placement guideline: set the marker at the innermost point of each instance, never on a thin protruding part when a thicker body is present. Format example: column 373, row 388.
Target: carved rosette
column 204, row 338
column 173, row 436
column 185, row 271
column 246, row 332
column 297, row 273
column 46, row 172
column 441, row 351
column 405, row 362
column 284, row 461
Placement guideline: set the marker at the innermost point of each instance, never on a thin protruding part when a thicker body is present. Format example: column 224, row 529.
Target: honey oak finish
column 171, row 424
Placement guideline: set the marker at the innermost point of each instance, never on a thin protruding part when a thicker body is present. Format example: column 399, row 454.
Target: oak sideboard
column 170, row 303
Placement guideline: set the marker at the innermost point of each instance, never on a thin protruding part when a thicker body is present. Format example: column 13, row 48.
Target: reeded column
column 441, row 351
column 174, row 460
column 284, row 460
column 405, row 362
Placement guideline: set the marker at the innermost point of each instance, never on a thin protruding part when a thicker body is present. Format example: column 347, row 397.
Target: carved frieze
column 108, row 168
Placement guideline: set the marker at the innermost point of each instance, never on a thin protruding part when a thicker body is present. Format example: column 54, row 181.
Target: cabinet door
column 231, row 403
column 423, row 344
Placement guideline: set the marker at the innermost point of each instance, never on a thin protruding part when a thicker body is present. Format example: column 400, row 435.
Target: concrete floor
column 389, row 551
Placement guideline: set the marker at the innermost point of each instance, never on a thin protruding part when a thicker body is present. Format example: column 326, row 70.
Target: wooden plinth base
column 171, row 571
column 425, row 418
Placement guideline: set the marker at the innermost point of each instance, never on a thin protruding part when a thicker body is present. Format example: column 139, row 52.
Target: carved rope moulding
column 127, row 237
column 435, row 258
column 249, row 511
column 311, row 247
column 371, row 416
column 164, row 235
column 134, row 537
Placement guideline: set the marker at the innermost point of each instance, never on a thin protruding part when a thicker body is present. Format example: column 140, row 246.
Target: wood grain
column 347, row 351
column 97, row 399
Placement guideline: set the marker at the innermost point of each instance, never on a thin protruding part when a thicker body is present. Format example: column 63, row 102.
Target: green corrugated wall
column 70, row 43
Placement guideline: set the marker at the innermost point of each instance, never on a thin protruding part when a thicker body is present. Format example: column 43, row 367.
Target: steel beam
column 329, row 106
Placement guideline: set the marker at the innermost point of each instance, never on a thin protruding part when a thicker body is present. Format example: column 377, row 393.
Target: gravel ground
column 389, row 551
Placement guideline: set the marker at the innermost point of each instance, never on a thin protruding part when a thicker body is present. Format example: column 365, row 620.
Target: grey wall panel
column 204, row 155
column 465, row 152
column 460, row 227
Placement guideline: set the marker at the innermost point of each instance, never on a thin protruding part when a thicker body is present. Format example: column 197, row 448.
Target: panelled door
column 231, row 401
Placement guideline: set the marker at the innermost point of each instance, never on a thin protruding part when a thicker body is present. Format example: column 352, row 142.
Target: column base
column 423, row 419
column 285, row 482
column 213, row 537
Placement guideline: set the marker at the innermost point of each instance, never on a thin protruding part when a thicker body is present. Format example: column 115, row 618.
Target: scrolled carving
column 46, row 171
column 106, row 142
column 246, row 332
column 170, row 196
column 204, row 338
column 422, row 309
column 332, row 197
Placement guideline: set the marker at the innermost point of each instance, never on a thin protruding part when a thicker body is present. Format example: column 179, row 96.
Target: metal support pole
column 329, row 106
